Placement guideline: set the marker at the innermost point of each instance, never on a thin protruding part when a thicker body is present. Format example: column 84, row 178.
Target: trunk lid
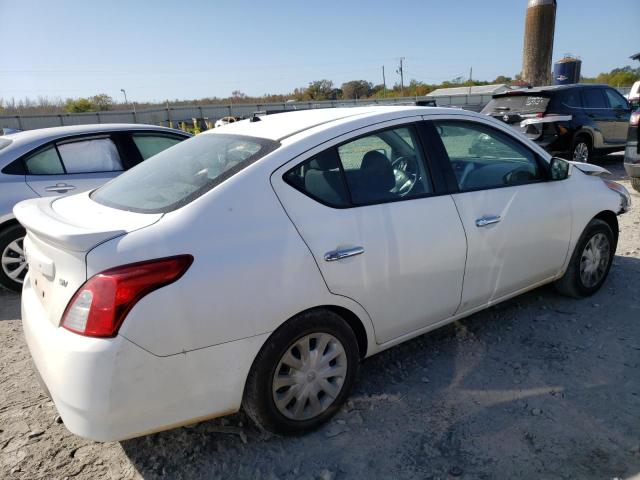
column 514, row 107
column 60, row 232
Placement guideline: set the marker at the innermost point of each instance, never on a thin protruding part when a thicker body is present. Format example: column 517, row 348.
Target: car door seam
column 466, row 255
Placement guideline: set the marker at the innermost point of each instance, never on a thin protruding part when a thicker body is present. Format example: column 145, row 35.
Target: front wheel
column 13, row 264
column 590, row 262
column 303, row 373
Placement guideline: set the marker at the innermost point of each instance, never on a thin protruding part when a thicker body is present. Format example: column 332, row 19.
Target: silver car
column 65, row 160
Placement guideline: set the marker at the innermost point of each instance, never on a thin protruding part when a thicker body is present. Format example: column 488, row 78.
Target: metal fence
column 174, row 115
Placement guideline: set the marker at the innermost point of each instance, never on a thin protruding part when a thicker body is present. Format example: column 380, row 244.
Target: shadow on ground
column 539, row 386
column 9, row 305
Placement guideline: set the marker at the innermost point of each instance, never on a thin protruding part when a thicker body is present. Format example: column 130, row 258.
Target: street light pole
column 125, row 95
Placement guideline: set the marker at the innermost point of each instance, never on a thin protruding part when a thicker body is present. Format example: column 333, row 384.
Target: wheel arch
column 9, row 223
column 611, row 219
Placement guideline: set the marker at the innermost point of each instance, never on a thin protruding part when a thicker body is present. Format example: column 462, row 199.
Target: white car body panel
column 184, row 351
column 389, row 276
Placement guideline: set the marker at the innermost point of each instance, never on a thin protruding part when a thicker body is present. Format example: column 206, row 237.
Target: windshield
column 4, row 142
column 182, row 173
column 517, row 104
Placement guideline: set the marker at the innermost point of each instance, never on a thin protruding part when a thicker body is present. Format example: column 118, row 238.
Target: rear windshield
column 182, row 173
column 517, row 104
column 4, row 142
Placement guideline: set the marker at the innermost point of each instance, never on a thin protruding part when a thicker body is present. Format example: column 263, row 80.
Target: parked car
column 573, row 121
column 62, row 160
column 256, row 264
column 632, row 152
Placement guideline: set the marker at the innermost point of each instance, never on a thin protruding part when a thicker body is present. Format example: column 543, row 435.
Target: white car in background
column 255, row 265
column 62, row 160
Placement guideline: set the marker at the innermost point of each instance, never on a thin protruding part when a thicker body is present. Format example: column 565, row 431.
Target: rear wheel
column 582, row 149
column 13, row 264
column 590, row 262
column 635, row 183
column 303, row 373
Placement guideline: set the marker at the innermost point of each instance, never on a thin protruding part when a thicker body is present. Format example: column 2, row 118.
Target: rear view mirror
column 559, row 169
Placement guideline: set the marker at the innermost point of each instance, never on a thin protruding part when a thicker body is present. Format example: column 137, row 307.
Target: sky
column 181, row 49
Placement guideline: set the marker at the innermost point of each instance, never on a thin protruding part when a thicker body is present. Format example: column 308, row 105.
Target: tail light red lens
column 100, row 306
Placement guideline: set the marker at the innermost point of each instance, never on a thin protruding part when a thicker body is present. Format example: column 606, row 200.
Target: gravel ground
column 538, row 387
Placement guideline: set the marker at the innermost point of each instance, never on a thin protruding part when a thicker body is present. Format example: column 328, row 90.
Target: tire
column 10, row 257
column 635, row 183
column 260, row 393
column 582, row 149
column 574, row 283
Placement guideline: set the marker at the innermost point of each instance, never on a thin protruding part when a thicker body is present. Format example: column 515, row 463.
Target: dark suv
column 571, row 121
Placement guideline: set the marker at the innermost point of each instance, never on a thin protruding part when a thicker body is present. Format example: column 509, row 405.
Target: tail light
column 100, row 306
column 635, row 119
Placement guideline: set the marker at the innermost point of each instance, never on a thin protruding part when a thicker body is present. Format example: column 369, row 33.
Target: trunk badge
column 63, row 282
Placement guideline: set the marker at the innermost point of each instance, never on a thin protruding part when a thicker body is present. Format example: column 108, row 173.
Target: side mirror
column 559, row 169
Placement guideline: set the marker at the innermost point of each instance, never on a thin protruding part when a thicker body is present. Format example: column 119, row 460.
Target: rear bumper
column 632, row 160
column 111, row 389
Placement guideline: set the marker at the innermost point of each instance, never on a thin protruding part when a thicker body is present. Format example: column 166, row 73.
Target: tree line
column 316, row 90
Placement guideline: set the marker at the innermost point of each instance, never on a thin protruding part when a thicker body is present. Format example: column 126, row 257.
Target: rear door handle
column 334, row 255
column 488, row 220
column 60, row 188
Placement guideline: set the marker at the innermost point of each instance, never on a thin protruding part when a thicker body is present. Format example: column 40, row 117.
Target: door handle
column 60, row 188
column 340, row 254
column 484, row 221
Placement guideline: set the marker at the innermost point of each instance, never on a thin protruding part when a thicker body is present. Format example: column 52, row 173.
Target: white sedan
column 255, row 266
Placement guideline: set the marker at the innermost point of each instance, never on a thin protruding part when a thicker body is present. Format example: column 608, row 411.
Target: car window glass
column 149, row 145
column 594, row 98
column 482, row 157
column 615, row 99
column 178, row 175
column 89, row 156
column 566, row 98
column 320, row 178
column 45, row 162
column 384, row 166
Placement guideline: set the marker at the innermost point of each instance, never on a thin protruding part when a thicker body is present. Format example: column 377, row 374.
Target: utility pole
column 384, row 84
column 400, row 71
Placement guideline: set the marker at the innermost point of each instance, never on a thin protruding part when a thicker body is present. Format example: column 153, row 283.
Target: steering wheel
column 406, row 171
column 466, row 170
column 518, row 176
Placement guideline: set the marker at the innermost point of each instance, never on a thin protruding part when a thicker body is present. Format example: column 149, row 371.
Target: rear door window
column 90, row 156
column 44, row 162
column 594, row 98
column 321, row 178
column 149, row 144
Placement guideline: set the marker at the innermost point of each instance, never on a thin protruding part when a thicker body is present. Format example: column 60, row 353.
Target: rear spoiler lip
column 38, row 216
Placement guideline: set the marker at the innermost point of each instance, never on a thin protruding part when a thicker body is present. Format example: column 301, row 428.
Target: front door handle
column 60, row 188
column 488, row 220
column 344, row 253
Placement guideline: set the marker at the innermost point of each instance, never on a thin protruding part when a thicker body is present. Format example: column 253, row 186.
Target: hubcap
column 309, row 376
column 581, row 153
column 594, row 260
column 14, row 263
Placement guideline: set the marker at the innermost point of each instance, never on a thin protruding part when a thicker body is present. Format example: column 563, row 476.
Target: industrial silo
column 567, row 71
column 538, row 42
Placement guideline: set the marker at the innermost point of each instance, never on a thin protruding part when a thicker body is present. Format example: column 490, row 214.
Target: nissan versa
column 256, row 265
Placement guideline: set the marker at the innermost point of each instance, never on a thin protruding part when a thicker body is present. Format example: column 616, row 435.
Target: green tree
column 78, row 105
column 319, row 90
column 101, row 102
column 356, row 89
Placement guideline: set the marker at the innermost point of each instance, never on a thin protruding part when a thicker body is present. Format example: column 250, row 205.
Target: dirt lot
column 538, row 387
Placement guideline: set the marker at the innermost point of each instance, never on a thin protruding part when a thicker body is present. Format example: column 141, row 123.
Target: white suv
column 62, row 160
